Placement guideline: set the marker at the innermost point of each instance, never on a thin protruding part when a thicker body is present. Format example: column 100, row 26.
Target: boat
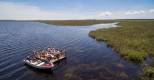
column 39, row 64
column 45, row 59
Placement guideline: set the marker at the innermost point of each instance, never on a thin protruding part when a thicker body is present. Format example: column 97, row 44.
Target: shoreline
column 112, row 38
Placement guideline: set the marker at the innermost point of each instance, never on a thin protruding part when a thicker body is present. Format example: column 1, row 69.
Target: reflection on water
column 87, row 59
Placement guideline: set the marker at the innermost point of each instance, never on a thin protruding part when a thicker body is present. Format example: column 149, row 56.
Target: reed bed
column 133, row 39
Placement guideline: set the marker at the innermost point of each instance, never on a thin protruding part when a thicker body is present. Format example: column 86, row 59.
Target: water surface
column 87, row 59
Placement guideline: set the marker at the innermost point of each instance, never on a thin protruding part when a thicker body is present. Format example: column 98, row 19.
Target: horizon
column 76, row 10
column 69, row 19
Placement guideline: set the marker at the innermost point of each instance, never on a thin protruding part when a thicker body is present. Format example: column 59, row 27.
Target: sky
column 76, row 9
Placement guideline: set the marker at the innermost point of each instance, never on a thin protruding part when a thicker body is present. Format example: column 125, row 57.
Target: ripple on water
column 87, row 58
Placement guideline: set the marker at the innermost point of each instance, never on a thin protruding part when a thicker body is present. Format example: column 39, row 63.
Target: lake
column 87, row 59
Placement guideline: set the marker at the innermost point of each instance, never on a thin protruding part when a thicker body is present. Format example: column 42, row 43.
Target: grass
column 75, row 22
column 148, row 73
column 134, row 39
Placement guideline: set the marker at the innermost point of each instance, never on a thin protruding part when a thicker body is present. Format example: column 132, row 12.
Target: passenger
column 49, row 58
column 53, row 50
column 57, row 56
column 45, row 52
column 37, row 55
column 48, row 49
column 52, row 55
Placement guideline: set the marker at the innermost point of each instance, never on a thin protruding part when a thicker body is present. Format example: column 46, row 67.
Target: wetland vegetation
column 133, row 39
column 75, row 22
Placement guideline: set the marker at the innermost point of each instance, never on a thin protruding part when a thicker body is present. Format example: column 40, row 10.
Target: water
column 87, row 59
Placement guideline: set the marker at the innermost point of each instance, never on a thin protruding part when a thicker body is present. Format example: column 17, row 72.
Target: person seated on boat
column 58, row 51
column 42, row 51
column 37, row 55
column 41, row 55
column 49, row 49
column 44, row 54
column 57, row 56
column 48, row 58
column 48, row 54
column 52, row 55
column 54, row 50
column 51, row 52
column 32, row 59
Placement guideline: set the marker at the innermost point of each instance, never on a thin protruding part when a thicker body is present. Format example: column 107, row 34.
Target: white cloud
column 135, row 12
column 151, row 10
column 106, row 13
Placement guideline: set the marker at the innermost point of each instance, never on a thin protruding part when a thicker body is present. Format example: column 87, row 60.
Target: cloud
column 135, row 12
column 21, row 11
column 106, row 13
column 151, row 10
column 18, row 11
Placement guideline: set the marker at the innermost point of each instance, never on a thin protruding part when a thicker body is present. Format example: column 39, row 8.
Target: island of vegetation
column 75, row 22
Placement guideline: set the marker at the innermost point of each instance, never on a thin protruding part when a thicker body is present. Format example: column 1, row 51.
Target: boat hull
column 37, row 67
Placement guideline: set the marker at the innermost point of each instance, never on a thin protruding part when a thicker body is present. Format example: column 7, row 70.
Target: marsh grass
column 75, row 22
column 134, row 39
column 147, row 73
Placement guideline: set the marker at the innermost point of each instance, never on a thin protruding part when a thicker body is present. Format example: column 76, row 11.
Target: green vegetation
column 75, row 22
column 134, row 39
column 148, row 73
